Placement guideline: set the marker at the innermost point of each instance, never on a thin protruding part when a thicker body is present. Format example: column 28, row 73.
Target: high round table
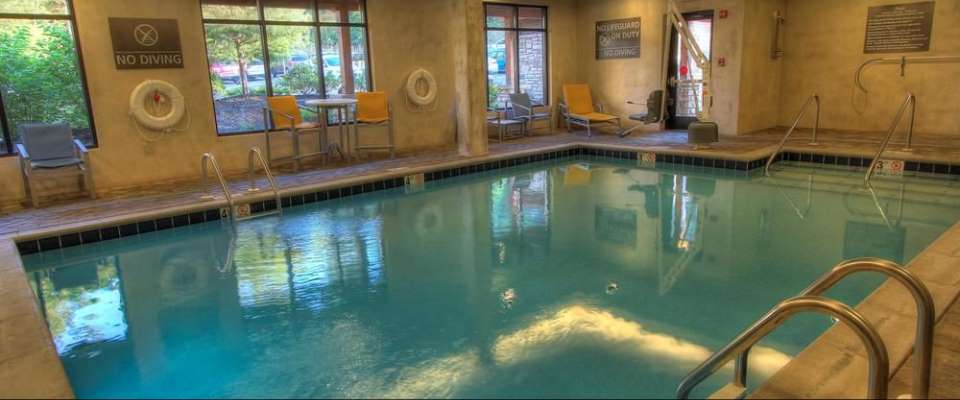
column 342, row 108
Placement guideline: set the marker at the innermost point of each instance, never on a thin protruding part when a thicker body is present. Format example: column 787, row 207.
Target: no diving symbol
column 146, row 35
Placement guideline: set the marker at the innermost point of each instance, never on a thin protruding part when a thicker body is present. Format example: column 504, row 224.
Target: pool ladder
column 240, row 212
column 910, row 101
column 811, row 300
column 813, row 99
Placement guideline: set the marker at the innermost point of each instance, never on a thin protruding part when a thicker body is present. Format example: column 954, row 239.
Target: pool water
column 573, row 278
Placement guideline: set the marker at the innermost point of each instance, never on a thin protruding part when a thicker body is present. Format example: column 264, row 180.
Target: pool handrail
column 740, row 346
column 814, row 98
column 253, row 157
column 926, row 313
column 910, row 101
column 210, row 159
column 902, row 61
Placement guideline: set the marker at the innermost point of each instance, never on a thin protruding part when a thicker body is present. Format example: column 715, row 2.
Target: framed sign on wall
column 143, row 43
column 618, row 38
column 899, row 28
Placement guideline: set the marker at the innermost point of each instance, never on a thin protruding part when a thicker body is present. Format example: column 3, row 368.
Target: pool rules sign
column 142, row 43
column 899, row 28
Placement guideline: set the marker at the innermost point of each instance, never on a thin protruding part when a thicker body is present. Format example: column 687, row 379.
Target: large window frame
column 517, row 30
column 9, row 147
column 262, row 23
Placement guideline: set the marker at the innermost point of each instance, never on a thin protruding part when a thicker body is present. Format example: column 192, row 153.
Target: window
column 305, row 48
column 516, row 53
column 41, row 71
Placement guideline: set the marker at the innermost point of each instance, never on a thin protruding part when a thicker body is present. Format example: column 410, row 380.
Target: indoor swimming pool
column 579, row 277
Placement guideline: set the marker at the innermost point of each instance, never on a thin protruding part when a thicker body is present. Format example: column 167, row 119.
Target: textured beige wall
column 760, row 74
column 824, row 48
column 404, row 36
column 616, row 81
column 403, row 39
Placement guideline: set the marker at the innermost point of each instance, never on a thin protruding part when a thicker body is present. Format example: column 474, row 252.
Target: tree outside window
column 304, row 48
column 41, row 77
column 516, row 53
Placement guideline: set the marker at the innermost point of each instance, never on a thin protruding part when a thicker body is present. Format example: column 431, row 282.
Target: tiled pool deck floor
column 29, row 366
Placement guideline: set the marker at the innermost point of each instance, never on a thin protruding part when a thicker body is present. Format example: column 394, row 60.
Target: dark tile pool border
column 679, row 161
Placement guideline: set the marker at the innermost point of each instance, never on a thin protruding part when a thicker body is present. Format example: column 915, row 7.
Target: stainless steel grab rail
column 252, row 158
column 211, row 160
column 923, row 343
column 739, row 347
column 903, row 61
column 815, row 98
column 911, row 100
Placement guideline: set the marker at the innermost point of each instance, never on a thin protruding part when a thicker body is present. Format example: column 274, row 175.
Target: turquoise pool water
column 565, row 279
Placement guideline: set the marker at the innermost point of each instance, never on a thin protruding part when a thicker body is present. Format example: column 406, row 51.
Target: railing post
column 816, row 125
column 886, row 141
column 913, row 117
column 204, row 178
column 251, row 170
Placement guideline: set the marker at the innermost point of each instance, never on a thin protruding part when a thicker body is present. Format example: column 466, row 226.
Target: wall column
column 471, row 98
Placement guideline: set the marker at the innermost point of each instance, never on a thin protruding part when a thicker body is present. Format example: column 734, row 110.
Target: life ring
column 417, row 98
column 428, row 220
column 157, row 91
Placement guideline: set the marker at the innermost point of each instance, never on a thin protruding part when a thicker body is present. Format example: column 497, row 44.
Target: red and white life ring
column 157, row 91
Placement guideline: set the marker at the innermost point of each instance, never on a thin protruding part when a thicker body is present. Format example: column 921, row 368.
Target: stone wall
column 533, row 72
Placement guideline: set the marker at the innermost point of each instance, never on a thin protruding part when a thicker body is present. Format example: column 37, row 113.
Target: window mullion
column 82, row 73
column 267, row 75
column 5, row 128
column 321, row 69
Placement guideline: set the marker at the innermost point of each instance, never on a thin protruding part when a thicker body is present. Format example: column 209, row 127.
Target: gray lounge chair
column 524, row 110
column 47, row 147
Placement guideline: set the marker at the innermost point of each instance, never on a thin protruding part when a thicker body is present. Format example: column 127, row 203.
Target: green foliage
column 493, row 93
column 332, row 81
column 234, row 44
column 301, row 79
column 39, row 75
column 219, row 90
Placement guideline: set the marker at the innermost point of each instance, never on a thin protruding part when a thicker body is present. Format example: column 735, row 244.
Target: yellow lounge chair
column 578, row 108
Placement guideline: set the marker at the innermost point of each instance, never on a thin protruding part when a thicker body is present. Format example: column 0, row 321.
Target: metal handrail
column 739, row 347
column 211, row 160
column 252, row 157
column 858, row 78
column 815, row 98
column 923, row 343
column 910, row 101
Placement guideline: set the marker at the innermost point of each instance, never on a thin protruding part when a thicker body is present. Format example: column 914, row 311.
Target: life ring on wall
column 414, row 80
column 159, row 92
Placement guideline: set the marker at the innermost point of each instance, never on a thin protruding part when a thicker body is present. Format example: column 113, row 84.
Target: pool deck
column 833, row 366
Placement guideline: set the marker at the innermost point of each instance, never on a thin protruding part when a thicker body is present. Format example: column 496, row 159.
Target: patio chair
column 283, row 113
column 49, row 147
column 373, row 109
column 502, row 122
column 524, row 110
column 578, row 108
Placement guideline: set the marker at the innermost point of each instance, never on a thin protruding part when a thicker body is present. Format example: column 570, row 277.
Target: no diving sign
column 141, row 43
